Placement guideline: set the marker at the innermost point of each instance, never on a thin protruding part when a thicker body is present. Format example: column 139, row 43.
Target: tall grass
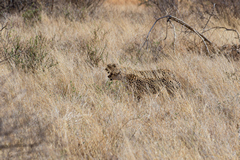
column 72, row 111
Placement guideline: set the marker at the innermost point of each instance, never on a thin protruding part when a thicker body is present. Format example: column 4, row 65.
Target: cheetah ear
column 114, row 65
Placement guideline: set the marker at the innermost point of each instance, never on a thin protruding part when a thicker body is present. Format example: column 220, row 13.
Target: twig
column 210, row 16
column 3, row 27
column 227, row 29
column 166, row 32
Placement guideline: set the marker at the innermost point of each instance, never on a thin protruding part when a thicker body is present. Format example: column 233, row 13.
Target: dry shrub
column 31, row 9
column 231, row 52
column 164, row 7
column 75, row 9
column 226, row 11
column 84, row 3
column 226, row 8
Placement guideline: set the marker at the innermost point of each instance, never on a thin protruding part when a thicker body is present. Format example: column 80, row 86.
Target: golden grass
column 72, row 111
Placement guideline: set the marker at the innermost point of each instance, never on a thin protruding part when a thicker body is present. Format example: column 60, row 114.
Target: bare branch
column 210, row 16
column 227, row 29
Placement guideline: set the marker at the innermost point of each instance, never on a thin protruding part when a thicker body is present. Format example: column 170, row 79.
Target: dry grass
column 121, row 2
column 71, row 110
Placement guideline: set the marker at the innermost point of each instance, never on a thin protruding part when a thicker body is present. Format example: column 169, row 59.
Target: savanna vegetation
column 56, row 101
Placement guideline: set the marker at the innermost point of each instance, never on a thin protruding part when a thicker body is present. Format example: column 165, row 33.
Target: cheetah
column 151, row 81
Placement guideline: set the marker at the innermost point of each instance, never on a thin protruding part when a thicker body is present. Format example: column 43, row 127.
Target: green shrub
column 31, row 55
column 32, row 15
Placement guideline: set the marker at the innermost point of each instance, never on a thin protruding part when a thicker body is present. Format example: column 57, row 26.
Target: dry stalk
column 4, row 26
column 174, row 36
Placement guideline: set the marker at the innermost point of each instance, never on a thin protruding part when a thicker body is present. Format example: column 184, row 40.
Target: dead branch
column 151, row 30
column 184, row 24
column 190, row 28
column 227, row 29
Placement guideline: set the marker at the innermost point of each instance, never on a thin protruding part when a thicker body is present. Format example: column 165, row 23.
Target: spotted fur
column 141, row 82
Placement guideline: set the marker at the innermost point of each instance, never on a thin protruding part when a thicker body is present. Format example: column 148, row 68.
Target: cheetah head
column 114, row 72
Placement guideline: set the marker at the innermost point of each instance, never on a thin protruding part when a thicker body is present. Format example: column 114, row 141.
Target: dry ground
column 72, row 111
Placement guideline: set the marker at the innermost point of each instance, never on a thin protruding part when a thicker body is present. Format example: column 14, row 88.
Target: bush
column 201, row 8
column 29, row 56
column 86, row 3
column 225, row 9
column 31, row 9
column 17, row 5
column 32, row 15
